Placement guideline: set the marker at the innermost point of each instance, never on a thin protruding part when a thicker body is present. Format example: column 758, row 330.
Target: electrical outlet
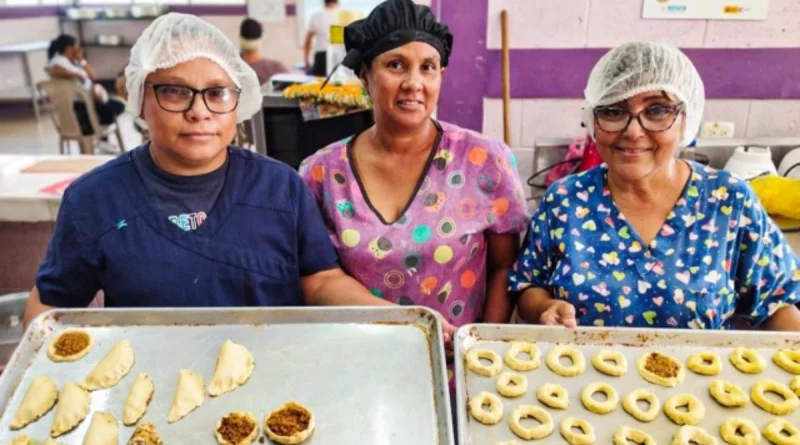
column 717, row 130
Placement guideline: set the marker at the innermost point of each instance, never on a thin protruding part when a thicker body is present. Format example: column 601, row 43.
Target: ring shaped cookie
column 748, row 361
column 554, row 396
column 533, row 433
column 474, row 363
column 578, row 362
column 661, row 369
column 695, row 414
column 739, row 431
column 490, row 416
column 585, row 437
column 782, row 432
column 727, row 394
column 629, row 403
column 511, row 384
column 691, row 435
column 795, row 385
column 626, row 433
column 705, row 363
column 601, row 359
column 787, row 406
column 788, row 360
column 604, row 407
column 511, row 357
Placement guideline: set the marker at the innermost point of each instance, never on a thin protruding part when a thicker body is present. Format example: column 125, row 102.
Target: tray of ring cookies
column 232, row 376
column 624, row 386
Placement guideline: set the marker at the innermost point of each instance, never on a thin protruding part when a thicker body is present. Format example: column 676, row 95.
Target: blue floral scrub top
column 717, row 254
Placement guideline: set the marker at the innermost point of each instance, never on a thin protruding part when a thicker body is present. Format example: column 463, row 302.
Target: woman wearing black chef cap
column 421, row 212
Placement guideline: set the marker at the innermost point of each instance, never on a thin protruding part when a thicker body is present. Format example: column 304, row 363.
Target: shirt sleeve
column 509, row 208
column 767, row 277
column 534, row 265
column 68, row 276
column 315, row 250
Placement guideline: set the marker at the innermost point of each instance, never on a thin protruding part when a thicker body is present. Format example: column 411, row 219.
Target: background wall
column 751, row 69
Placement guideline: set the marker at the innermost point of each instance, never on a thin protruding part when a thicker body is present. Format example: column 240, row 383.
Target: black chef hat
column 392, row 24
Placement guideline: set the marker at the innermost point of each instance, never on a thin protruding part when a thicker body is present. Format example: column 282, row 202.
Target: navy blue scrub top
column 264, row 233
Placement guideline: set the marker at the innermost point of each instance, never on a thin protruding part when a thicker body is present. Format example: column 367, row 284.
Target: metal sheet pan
column 370, row 375
column 632, row 343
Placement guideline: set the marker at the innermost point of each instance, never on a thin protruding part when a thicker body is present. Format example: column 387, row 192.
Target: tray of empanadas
column 231, row 376
column 591, row 385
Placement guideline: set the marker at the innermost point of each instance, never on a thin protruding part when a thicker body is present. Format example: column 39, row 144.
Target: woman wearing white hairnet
column 648, row 239
column 188, row 220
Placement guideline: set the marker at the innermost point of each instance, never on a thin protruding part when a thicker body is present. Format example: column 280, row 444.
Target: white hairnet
column 176, row 38
column 638, row 67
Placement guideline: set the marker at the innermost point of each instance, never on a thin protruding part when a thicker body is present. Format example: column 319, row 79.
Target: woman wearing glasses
column 188, row 220
column 648, row 239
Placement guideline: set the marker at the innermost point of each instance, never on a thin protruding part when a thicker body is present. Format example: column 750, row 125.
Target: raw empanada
column 234, row 366
column 72, row 408
column 114, row 366
column 40, row 398
column 52, row 442
column 138, row 399
column 189, row 394
column 22, row 439
column 104, row 430
column 145, row 434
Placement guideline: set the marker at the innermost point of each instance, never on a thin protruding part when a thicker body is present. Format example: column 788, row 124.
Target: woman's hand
column 559, row 312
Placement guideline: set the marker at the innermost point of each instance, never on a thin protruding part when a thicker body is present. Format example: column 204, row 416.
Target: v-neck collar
column 216, row 217
column 682, row 215
column 352, row 166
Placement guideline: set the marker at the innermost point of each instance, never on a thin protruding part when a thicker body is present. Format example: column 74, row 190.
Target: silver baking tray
column 370, row 375
column 632, row 343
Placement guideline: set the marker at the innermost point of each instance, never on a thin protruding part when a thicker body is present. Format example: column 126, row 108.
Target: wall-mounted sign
column 706, row 9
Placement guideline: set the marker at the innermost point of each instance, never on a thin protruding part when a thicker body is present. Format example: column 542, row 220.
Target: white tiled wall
column 540, row 24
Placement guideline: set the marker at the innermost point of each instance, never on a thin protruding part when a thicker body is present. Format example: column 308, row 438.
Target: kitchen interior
column 751, row 125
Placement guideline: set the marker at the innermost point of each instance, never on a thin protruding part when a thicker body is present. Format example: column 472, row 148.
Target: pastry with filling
column 145, row 434
column 237, row 428
column 70, row 346
column 138, row 399
column 290, row 423
column 40, row 398
column 661, row 369
column 103, row 430
column 72, row 408
column 234, row 366
column 112, row 368
column 189, row 394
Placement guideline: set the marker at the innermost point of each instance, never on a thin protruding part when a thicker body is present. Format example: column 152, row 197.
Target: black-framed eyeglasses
column 180, row 98
column 655, row 118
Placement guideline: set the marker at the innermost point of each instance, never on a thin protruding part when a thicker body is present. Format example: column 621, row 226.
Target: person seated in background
column 66, row 61
column 250, row 41
column 648, row 239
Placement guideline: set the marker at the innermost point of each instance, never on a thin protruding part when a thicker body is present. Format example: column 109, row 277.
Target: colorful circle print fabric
column 435, row 254
column 717, row 255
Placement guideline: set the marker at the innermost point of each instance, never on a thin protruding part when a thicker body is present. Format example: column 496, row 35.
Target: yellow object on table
column 344, row 95
column 779, row 196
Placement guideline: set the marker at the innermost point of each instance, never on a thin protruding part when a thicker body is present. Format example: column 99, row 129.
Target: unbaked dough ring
column 505, row 387
column 552, row 395
column 495, row 412
column 705, row 363
column 626, row 433
column 786, row 407
column 474, row 363
column 795, row 385
column 668, row 381
column 600, row 362
column 578, row 362
column 748, row 434
column 533, row 433
column 604, row 407
column 629, row 403
column 691, row 435
column 727, row 394
column 748, row 361
column 586, row 437
column 695, row 414
column 788, row 360
column 775, row 429
column 511, row 357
